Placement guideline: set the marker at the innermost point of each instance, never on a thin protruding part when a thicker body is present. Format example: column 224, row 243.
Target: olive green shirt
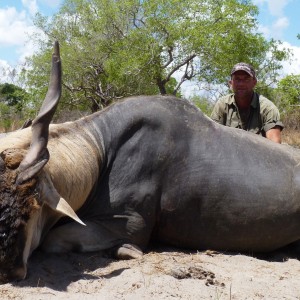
column 262, row 116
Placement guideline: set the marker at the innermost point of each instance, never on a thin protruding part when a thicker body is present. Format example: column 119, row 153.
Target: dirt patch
column 160, row 274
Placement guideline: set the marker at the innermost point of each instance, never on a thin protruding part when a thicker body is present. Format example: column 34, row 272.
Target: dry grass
column 291, row 132
column 291, row 137
column 14, row 126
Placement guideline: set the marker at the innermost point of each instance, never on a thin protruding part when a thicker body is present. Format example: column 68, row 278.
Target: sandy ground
column 162, row 273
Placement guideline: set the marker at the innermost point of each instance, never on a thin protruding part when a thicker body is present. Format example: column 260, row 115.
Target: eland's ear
column 53, row 199
column 26, row 124
column 62, row 206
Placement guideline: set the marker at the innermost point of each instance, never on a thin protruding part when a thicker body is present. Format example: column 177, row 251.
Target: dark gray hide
column 172, row 175
column 146, row 168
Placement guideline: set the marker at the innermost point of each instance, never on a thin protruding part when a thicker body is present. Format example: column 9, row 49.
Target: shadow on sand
column 58, row 271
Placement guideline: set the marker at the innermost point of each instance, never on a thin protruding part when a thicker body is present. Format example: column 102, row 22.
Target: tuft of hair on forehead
column 17, row 204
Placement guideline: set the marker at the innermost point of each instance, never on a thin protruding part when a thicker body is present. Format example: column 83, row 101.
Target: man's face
column 242, row 84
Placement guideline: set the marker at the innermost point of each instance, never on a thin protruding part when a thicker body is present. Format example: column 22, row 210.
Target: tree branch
column 176, row 68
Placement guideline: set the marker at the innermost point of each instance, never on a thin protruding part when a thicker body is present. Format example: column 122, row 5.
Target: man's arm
column 274, row 134
column 271, row 120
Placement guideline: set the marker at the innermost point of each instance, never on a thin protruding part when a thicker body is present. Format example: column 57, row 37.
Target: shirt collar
column 254, row 101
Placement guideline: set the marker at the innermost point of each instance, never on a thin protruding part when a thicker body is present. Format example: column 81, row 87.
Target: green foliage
column 111, row 49
column 286, row 96
column 13, row 101
column 288, row 89
column 266, row 90
column 16, row 106
column 204, row 104
column 5, row 117
column 13, row 95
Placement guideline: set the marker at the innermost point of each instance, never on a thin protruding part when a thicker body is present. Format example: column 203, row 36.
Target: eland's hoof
column 128, row 251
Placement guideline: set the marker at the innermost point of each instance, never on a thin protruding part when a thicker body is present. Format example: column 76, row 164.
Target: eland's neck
column 75, row 161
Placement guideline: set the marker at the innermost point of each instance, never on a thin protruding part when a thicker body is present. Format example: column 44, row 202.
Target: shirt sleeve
column 218, row 112
column 270, row 116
